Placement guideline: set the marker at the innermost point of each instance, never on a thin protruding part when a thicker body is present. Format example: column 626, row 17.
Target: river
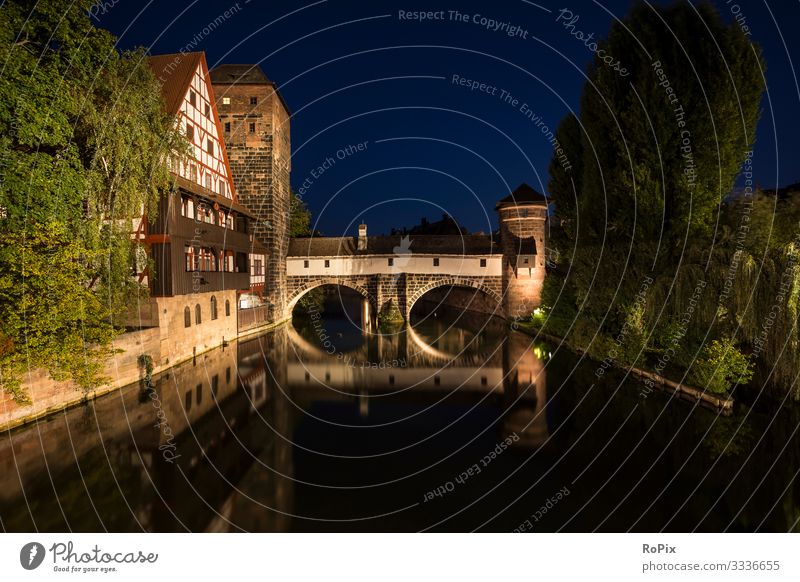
column 455, row 423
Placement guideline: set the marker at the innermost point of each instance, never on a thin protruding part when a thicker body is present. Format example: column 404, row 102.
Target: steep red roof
column 174, row 73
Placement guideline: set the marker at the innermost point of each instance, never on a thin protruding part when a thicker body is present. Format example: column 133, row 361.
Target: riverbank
column 722, row 402
column 49, row 396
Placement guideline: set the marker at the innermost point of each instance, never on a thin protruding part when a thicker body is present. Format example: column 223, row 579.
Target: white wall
column 379, row 264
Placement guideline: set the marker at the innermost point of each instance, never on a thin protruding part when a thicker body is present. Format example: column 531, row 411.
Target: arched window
column 213, row 308
column 187, row 317
column 197, row 318
column 227, row 308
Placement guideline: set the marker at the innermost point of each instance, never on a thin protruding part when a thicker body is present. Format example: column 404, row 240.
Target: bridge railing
column 251, row 317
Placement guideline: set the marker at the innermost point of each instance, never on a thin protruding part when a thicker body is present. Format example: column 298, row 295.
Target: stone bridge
column 502, row 274
column 395, row 271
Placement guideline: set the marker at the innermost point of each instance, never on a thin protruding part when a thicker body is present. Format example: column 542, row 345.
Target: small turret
column 523, row 215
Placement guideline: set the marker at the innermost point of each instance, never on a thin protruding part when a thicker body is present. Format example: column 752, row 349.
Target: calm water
column 454, row 424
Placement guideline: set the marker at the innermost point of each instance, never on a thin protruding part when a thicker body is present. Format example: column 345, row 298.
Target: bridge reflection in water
column 295, row 431
column 212, row 446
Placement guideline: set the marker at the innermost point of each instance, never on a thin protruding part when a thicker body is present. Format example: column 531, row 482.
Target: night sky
column 355, row 72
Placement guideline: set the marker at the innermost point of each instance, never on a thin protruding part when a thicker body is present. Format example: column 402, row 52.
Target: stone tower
column 255, row 122
column 523, row 215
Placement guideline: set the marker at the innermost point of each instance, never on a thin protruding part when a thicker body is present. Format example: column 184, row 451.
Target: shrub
column 720, row 364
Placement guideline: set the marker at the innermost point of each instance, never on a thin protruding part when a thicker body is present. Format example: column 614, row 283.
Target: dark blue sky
column 355, row 72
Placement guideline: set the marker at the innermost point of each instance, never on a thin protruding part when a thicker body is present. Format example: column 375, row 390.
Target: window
column 199, row 394
column 229, row 220
column 327, row 263
column 208, row 110
column 204, row 212
column 228, row 375
column 257, row 267
column 184, row 205
column 228, row 314
column 253, row 100
column 227, row 261
column 524, row 213
column 208, row 260
column 208, row 181
column 193, row 172
column 190, row 260
column 305, row 264
column 226, row 100
column 187, row 317
column 210, row 146
column 192, row 98
column 215, row 384
column 241, row 263
column 436, row 262
column 227, row 127
column 223, row 190
column 252, row 127
column 391, row 262
column 483, row 262
column 190, row 132
column 213, row 308
column 188, row 401
column 197, row 315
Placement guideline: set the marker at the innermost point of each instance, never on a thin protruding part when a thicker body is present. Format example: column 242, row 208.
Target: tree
column 659, row 148
column 84, row 140
column 300, row 217
column 670, row 137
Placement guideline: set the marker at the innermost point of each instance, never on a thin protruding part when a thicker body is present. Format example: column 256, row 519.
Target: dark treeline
column 661, row 262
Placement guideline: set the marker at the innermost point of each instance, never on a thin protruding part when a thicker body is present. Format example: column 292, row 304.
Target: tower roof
column 245, row 75
column 524, row 194
column 239, row 75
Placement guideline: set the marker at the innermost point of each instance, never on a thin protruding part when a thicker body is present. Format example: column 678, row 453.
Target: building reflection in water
column 211, row 446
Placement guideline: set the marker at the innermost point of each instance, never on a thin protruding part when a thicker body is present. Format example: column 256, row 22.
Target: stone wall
column 404, row 289
column 260, row 163
column 168, row 344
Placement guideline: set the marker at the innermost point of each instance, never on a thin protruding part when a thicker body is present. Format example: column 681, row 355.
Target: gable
column 187, row 92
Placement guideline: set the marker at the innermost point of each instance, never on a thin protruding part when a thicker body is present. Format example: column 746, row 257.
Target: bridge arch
column 462, row 282
column 298, row 293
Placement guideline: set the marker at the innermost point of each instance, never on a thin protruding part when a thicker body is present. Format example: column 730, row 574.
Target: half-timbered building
column 200, row 244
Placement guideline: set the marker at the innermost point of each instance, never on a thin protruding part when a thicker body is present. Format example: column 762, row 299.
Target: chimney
column 362, row 237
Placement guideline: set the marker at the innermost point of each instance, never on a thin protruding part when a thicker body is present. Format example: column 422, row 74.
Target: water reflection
column 294, row 431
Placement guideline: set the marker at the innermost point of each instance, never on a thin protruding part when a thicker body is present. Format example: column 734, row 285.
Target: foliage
column 389, row 313
column 84, row 138
column 299, row 217
column 720, row 363
column 650, row 246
